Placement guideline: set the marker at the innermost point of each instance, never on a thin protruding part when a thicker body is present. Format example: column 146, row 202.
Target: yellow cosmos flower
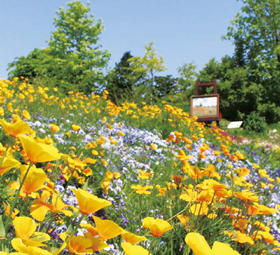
column 79, row 245
column 130, row 249
column 14, row 129
column 157, row 226
column 25, row 228
column 88, row 203
column 38, row 152
column 107, row 229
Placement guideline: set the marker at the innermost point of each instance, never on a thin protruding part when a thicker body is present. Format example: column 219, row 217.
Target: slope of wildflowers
column 80, row 175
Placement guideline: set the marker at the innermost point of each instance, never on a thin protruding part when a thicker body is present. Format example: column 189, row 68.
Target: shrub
column 255, row 122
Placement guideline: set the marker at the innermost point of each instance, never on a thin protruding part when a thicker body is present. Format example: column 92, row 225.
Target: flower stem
column 16, row 197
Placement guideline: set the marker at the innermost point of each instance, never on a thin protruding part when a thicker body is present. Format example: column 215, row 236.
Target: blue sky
column 183, row 31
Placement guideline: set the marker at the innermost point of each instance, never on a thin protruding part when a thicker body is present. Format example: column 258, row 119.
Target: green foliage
column 121, row 80
column 73, row 57
column 252, row 75
column 147, row 66
column 254, row 122
column 165, row 86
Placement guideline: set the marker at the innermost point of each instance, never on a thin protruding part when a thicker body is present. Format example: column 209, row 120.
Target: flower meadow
column 81, row 175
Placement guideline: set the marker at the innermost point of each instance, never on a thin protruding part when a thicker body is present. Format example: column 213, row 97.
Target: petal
column 130, row 249
column 24, row 227
column 198, row 244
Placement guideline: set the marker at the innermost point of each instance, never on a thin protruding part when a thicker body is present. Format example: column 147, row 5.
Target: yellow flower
column 97, row 243
column 14, row 129
column 157, row 226
column 25, row 115
column 107, row 229
column 242, row 238
column 88, row 203
column 38, row 152
column 54, row 128
column 199, row 246
column 94, row 152
column 144, row 175
column 19, row 246
column 34, row 180
column 131, row 238
column 7, row 164
column 130, row 249
column 40, row 206
column 121, row 133
column 142, row 190
column 75, row 127
column 182, row 156
column 25, row 228
column 79, row 245
column 153, row 146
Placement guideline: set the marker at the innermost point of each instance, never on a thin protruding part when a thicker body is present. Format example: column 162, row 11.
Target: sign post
column 206, row 107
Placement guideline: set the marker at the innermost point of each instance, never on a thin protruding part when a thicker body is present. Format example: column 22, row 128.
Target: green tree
column 165, row 87
column 148, row 65
column 73, row 57
column 255, row 34
column 121, row 80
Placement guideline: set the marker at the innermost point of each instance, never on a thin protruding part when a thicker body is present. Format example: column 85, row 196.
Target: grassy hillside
column 81, row 175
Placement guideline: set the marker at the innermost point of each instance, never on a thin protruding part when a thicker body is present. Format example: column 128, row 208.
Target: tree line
column 248, row 81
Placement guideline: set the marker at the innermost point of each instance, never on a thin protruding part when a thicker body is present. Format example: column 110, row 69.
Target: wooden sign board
column 206, row 107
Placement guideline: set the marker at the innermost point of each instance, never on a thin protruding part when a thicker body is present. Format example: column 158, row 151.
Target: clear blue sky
column 183, row 31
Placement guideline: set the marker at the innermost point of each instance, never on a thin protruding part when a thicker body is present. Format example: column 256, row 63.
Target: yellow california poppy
column 14, row 129
column 89, row 203
column 7, row 164
column 79, row 245
column 157, row 226
column 25, row 229
column 34, row 180
column 107, row 229
column 38, row 152
column 131, row 238
column 54, row 128
column 75, row 127
column 19, row 246
column 130, row 249
column 97, row 243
